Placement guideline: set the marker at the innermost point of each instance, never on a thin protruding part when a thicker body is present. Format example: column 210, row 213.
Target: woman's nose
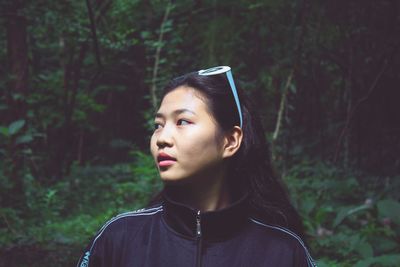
column 164, row 138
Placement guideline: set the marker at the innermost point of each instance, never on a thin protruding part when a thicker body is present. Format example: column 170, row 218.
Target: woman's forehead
column 183, row 97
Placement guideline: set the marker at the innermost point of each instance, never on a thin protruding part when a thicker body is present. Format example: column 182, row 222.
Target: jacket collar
column 215, row 225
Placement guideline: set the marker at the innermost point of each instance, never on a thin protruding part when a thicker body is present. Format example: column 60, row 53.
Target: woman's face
column 186, row 143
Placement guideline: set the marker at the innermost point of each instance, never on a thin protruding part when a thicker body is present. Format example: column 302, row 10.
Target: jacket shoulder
column 283, row 237
column 129, row 220
column 115, row 232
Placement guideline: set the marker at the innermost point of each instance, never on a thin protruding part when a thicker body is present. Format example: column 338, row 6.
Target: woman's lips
column 165, row 160
column 166, row 163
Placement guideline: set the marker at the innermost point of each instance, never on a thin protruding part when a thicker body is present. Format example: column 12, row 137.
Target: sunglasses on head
column 228, row 72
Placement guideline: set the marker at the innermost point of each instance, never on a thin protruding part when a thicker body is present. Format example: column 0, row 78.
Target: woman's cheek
column 153, row 148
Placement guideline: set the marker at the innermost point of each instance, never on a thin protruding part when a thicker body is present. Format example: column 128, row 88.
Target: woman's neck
column 209, row 198
column 206, row 193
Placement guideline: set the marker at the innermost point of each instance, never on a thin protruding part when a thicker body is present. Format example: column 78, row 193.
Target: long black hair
column 251, row 166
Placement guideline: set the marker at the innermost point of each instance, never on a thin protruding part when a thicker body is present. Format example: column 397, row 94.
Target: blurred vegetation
column 80, row 80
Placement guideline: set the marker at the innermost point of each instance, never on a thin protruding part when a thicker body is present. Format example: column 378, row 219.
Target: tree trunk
column 72, row 77
column 17, row 51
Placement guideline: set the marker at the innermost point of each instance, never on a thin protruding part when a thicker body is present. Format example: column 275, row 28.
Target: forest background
column 80, row 80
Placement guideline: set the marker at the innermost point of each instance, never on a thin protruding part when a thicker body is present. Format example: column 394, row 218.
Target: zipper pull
column 198, row 226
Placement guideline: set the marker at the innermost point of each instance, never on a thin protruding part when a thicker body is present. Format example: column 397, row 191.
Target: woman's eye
column 183, row 122
column 157, row 126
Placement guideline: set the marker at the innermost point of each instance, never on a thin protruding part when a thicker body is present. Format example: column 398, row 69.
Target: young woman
column 221, row 204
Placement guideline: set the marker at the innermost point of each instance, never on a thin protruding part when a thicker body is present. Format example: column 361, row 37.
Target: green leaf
column 18, row 96
column 24, row 139
column 27, row 151
column 388, row 260
column 340, row 216
column 326, row 263
column 308, row 204
column 364, row 263
column 14, row 127
column 347, row 211
column 383, row 245
column 384, row 260
column 145, row 34
column 293, row 88
column 4, row 131
column 365, row 249
column 389, row 208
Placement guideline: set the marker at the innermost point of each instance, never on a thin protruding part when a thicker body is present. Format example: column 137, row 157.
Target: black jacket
column 172, row 234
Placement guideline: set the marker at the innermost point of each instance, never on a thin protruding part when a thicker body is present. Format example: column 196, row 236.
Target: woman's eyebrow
column 175, row 112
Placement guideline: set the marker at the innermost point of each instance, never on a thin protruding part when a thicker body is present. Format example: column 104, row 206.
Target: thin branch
column 102, row 10
column 282, row 106
column 364, row 98
column 8, row 224
column 94, row 19
column 354, row 109
column 297, row 56
column 153, row 89
column 94, row 34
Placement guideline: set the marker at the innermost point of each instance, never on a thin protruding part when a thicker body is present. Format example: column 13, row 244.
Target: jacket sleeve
column 302, row 257
column 94, row 253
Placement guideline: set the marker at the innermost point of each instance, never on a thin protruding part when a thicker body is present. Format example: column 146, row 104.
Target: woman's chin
column 170, row 178
column 174, row 180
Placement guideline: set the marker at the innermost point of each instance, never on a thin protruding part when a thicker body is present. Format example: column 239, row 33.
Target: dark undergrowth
column 351, row 219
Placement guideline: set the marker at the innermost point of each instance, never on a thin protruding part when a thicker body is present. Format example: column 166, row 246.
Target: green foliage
column 363, row 233
column 71, row 211
column 15, row 127
column 389, row 209
column 65, row 166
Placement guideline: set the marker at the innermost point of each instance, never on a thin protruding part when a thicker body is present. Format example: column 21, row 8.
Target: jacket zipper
column 199, row 239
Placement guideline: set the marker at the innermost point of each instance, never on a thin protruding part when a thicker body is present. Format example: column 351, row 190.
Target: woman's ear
column 232, row 142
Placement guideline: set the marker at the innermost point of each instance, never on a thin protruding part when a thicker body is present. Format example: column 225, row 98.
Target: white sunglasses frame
column 228, row 71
